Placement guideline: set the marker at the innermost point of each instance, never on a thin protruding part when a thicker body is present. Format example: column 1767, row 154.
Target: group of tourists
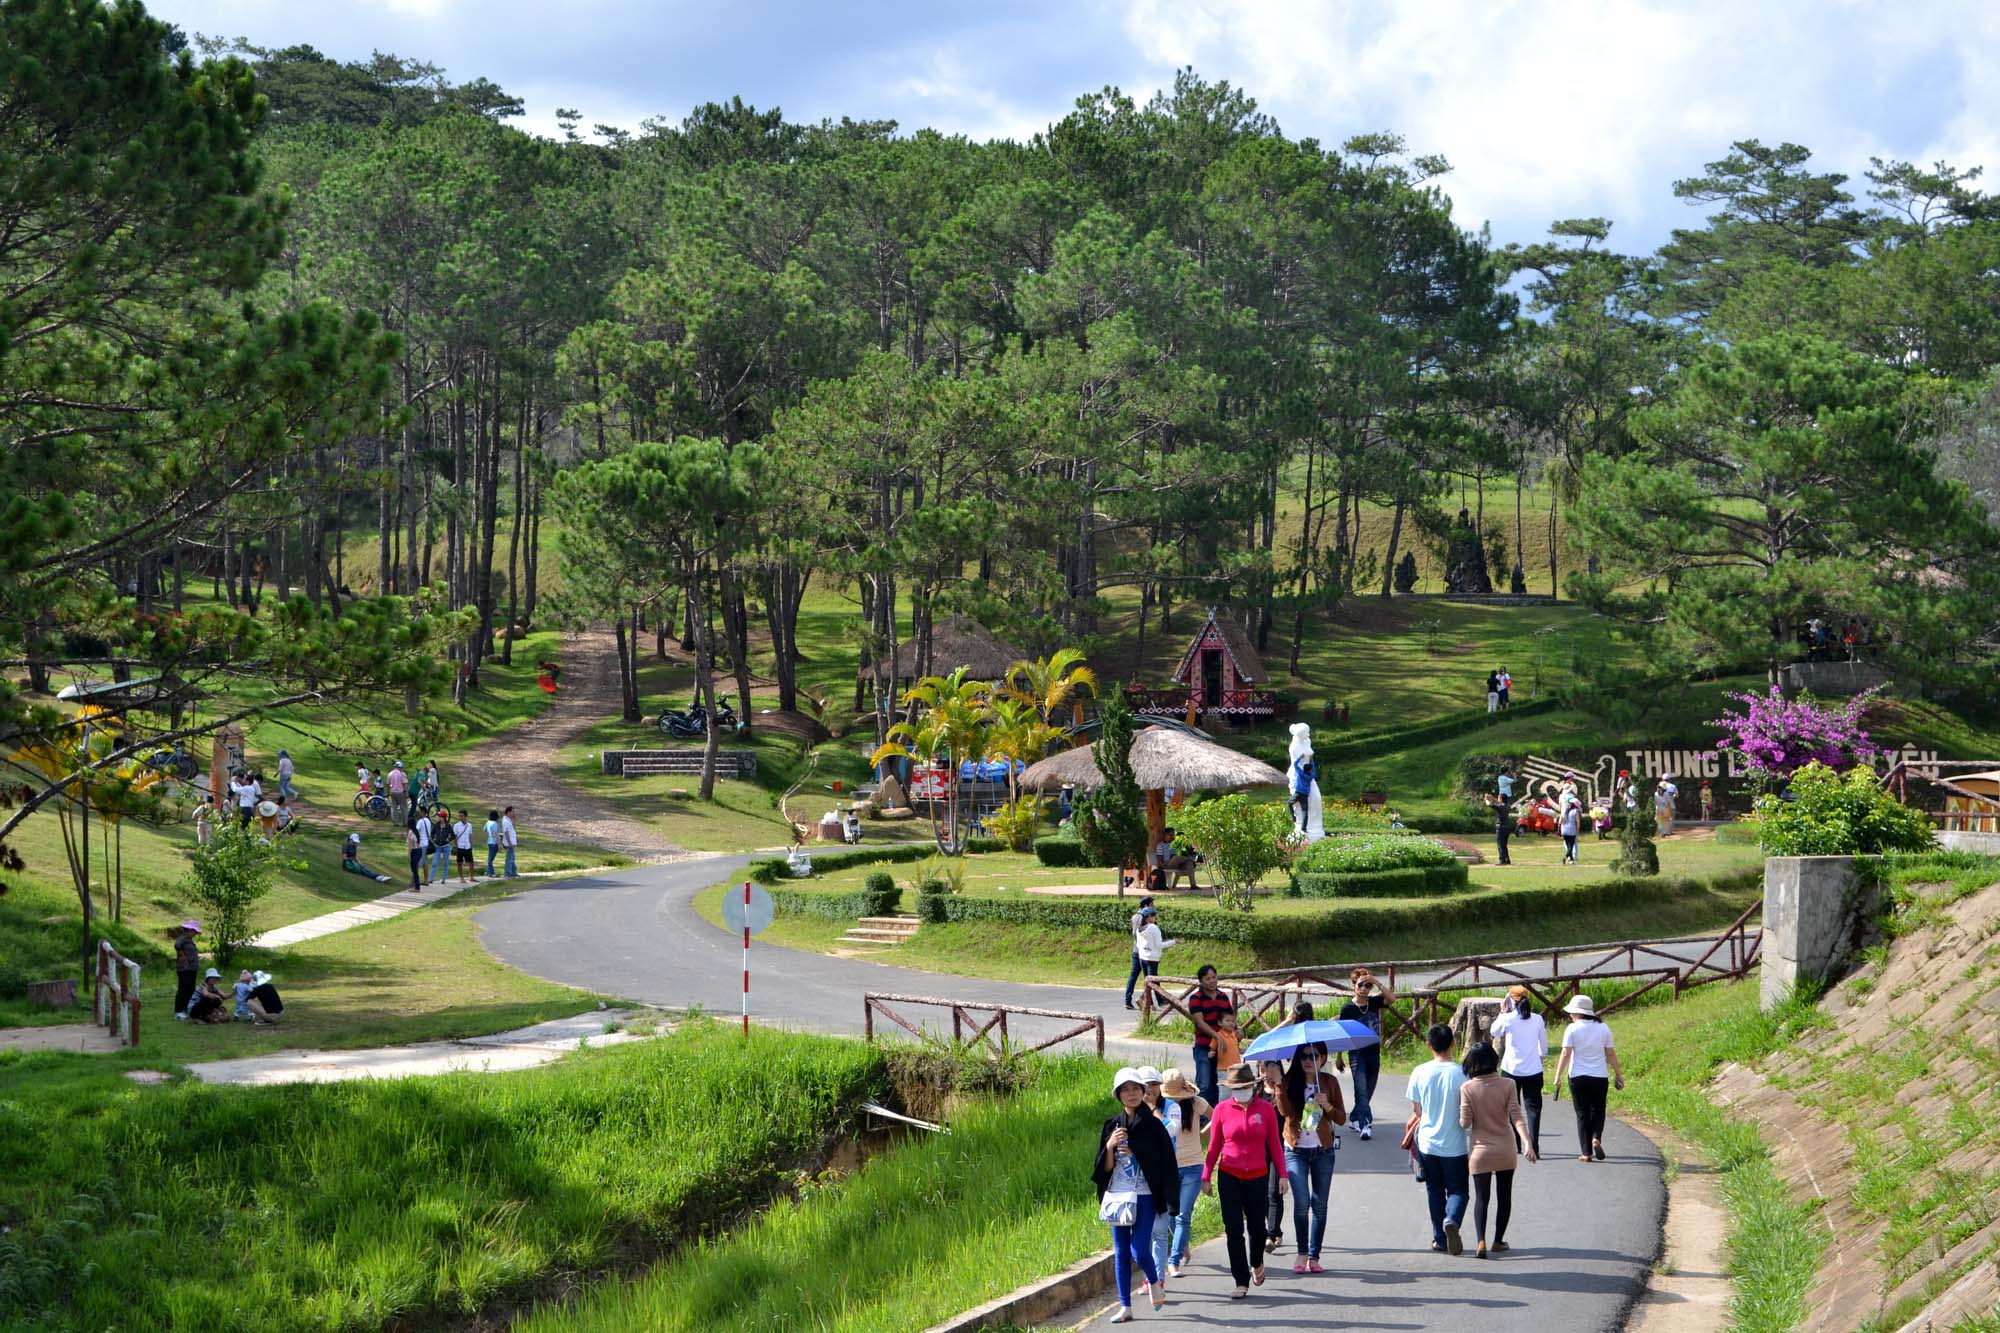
column 1499, row 685
column 199, row 997
column 1273, row 1130
column 437, row 840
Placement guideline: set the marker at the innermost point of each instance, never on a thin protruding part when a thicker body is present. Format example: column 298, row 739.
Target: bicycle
column 371, row 805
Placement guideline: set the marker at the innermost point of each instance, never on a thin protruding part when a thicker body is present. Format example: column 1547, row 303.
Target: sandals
column 1598, row 1149
column 1239, row 1293
column 1257, row 1276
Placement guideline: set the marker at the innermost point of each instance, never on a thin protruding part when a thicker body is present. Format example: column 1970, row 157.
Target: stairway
column 882, row 931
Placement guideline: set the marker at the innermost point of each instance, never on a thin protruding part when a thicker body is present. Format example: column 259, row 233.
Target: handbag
column 1119, row 1208
column 1410, row 1131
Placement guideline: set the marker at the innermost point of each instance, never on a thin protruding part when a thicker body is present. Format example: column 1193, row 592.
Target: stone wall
column 1816, row 911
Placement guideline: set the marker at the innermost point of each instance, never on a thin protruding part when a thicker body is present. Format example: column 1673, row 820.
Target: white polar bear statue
column 1302, row 781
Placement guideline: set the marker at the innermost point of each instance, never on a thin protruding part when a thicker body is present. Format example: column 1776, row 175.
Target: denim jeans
column 1310, row 1171
column 492, row 850
column 1204, row 1072
column 1134, row 1243
column 1177, row 1248
column 1446, row 1180
column 286, row 790
column 441, row 863
column 511, row 872
column 1361, row 1115
column 1132, row 980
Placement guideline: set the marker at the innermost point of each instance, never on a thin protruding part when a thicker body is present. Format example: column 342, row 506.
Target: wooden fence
column 117, row 998
column 1552, row 976
column 964, row 1016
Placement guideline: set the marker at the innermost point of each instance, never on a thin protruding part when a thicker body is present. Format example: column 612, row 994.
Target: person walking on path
column 1207, row 1005
column 1371, row 997
column 187, row 965
column 510, row 839
column 1243, row 1148
column 285, row 771
column 440, row 869
column 1138, row 920
column 1271, row 1090
column 461, row 846
column 1168, row 1114
column 1441, row 1141
column 1135, row 1174
column 399, row 793
column 492, row 840
column 1152, row 945
column 415, row 842
column 1525, row 1039
column 1591, row 1061
column 1489, row 1108
column 1191, row 1115
column 1310, row 1106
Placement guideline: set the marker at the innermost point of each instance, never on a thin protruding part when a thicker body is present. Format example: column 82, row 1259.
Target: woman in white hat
column 1135, row 1176
column 1190, row 1117
column 1591, row 1061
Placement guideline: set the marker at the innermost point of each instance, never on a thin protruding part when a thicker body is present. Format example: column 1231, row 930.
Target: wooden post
column 1156, row 822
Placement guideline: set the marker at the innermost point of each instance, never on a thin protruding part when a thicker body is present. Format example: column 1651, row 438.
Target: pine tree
column 1112, row 819
column 1637, row 854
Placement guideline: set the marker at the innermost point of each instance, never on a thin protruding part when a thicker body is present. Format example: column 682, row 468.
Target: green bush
column 933, row 900
column 1358, row 853
column 835, row 906
column 774, row 870
column 1400, row 882
column 1063, row 853
column 1834, row 814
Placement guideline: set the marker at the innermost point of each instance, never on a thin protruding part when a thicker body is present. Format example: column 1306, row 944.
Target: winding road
column 1584, row 1236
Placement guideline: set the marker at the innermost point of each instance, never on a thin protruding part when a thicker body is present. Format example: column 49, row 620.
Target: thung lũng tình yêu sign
column 1597, row 774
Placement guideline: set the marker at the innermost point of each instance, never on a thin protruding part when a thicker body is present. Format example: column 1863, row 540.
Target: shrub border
column 773, row 871
column 1403, row 881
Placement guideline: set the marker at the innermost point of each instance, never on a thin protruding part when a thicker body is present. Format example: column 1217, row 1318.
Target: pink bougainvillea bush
column 1778, row 736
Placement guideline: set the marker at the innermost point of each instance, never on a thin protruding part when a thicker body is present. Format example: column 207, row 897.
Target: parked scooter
column 693, row 723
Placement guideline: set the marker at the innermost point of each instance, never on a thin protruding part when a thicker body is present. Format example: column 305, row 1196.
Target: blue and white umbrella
column 1336, row 1034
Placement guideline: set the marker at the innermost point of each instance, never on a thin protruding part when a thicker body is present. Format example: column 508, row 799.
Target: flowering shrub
column 1778, row 736
column 1836, row 814
column 1363, row 852
column 1242, row 840
column 1353, row 817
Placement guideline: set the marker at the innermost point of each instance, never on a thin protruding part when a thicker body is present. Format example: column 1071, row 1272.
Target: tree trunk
column 1395, row 538
column 704, row 677
column 736, row 620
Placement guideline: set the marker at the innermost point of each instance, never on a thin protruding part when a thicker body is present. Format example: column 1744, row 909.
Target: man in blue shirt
column 1442, row 1144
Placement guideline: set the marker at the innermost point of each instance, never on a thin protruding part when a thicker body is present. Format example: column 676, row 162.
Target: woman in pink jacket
column 1245, row 1145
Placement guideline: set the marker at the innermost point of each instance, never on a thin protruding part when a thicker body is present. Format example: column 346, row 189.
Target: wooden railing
column 1552, row 976
column 116, row 1003
column 1172, row 701
column 964, row 1017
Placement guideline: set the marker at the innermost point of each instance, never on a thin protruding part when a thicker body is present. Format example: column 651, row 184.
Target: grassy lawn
column 363, row 1204
column 1011, row 951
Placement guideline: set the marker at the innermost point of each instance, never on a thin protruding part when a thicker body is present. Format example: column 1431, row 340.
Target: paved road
column 1582, row 1238
column 1584, row 1235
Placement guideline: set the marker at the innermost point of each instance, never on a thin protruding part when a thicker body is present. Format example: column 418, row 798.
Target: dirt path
column 518, row 766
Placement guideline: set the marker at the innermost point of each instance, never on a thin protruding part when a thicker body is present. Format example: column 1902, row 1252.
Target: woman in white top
column 1587, row 1057
column 1526, row 1039
column 1149, row 944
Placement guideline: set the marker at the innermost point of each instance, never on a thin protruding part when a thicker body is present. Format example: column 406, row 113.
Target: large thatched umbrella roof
column 956, row 641
column 1161, row 757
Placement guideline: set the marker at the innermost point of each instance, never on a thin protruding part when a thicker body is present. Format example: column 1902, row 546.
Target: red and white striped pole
column 746, row 957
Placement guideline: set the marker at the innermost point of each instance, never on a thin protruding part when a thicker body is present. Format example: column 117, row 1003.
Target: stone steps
column 881, row 930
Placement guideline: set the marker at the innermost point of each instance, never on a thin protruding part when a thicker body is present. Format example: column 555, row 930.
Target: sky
column 1548, row 110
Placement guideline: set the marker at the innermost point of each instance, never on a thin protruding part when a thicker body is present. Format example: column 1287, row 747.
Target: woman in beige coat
column 1489, row 1107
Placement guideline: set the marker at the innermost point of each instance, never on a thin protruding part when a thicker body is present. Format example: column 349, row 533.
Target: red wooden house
column 1220, row 676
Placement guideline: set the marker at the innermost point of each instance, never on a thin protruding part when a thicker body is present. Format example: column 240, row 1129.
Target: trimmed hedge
column 1362, row 853
column 771, row 871
column 1063, row 853
column 1401, row 882
column 1268, row 931
column 835, row 906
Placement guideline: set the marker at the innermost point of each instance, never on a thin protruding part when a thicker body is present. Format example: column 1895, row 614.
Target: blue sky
column 1557, row 109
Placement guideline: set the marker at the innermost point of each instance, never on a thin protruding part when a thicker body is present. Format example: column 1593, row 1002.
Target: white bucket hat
column 1582, row 1004
column 1148, row 1074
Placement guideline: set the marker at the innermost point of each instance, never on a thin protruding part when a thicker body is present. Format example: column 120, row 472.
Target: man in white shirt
column 509, row 840
column 1138, row 923
column 424, row 843
column 1526, row 1048
column 247, row 791
column 1150, row 942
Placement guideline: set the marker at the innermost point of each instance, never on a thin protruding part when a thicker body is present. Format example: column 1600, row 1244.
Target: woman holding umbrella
column 1311, row 1106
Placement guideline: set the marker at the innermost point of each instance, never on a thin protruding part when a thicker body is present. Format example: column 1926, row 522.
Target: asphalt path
column 1583, row 1235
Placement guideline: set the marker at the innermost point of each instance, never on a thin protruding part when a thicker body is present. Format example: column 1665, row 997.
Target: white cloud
column 1560, row 109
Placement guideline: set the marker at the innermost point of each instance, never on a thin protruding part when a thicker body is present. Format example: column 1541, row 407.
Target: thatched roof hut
column 1162, row 757
column 956, row 641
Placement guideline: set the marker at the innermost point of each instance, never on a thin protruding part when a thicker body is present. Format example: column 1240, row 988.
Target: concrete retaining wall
column 728, row 763
column 1816, row 911
column 1986, row 844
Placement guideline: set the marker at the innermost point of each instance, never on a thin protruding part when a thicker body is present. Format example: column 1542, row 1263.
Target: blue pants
column 1446, row 1180
column 1310, row 1171
column 511, row 872
column 1177, row 1245
column 1134, row 1242
column 492, row 850
column 1204, row 1072
column 1132, row 980
column 285, row 789
column 440, row 863
column 1361, row 1115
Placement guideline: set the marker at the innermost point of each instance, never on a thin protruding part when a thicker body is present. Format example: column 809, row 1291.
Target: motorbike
column 694, row 721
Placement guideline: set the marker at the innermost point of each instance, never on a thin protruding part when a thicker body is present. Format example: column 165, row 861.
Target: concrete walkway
column 383, row 908
column 523, row 1048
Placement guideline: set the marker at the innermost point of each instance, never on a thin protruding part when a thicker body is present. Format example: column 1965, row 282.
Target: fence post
column 867, row 1018
column 1100, row 1038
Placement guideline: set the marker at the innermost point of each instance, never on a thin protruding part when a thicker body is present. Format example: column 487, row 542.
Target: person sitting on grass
column 207, row 1004
column 350, row 860
column 249, row 1004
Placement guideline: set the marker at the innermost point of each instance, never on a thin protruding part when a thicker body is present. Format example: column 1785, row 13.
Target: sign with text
column 1725, row 773
column 928, row 784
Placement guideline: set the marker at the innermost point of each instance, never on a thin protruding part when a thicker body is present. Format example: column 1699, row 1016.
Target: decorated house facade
column 1221, row 678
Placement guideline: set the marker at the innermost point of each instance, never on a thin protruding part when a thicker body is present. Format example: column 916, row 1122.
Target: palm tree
column 1050, row 684
column 1020, row 736
column 955, row 723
